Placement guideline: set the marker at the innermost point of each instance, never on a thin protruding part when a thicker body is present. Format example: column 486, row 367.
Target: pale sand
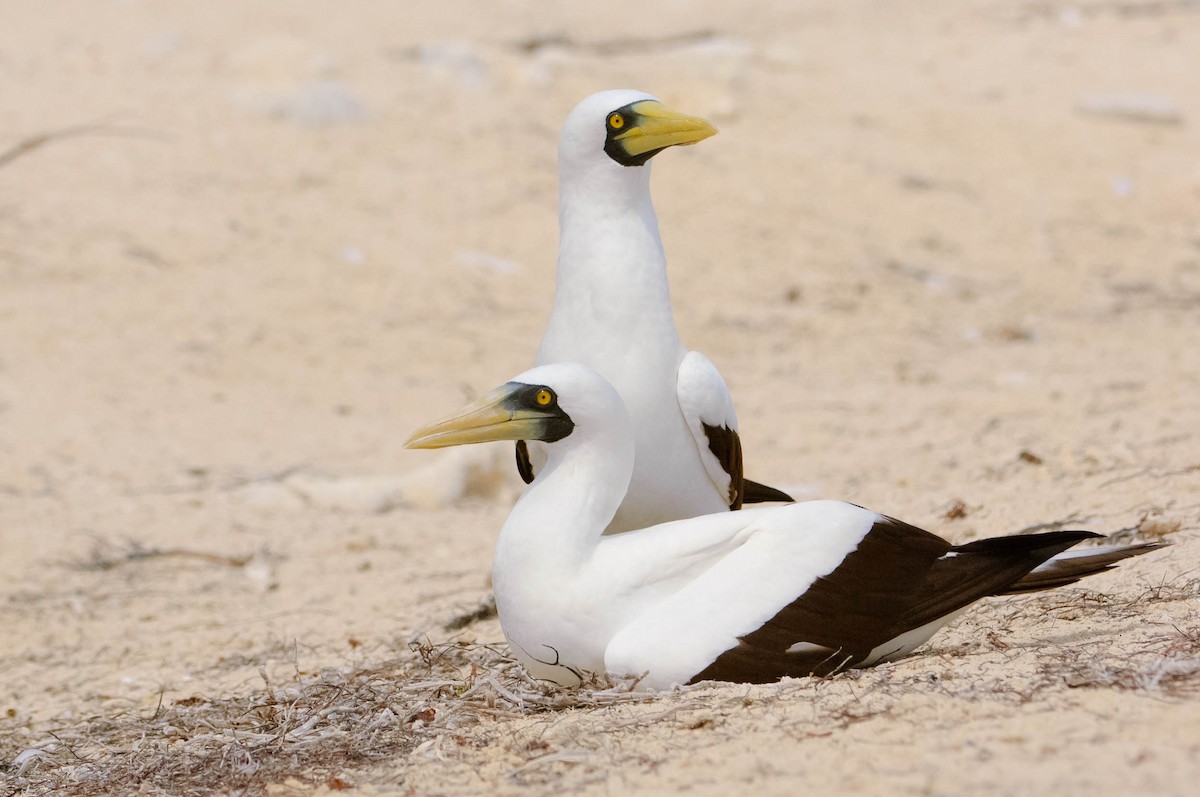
column 941, row 252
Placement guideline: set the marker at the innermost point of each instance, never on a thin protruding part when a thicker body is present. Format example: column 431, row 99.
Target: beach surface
column 946, row 255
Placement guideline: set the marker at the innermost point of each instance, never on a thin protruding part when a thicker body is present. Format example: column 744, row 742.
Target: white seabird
column 750, row 596
column 612, row 312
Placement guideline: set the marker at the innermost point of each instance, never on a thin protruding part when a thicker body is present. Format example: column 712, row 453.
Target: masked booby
column 750, row 596
column 612, row 312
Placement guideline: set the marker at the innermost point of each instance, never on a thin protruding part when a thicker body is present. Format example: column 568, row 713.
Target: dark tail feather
column 1069, row 567
column 755, row 493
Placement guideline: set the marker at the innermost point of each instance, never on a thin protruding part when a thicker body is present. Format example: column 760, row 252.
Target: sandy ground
column 946, row 255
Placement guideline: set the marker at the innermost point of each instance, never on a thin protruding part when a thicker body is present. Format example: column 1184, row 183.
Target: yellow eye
column 544, row 397
column 616, row 121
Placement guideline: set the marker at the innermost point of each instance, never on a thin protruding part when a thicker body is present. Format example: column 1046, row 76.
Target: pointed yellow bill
column 658, row 127
column 496, row 416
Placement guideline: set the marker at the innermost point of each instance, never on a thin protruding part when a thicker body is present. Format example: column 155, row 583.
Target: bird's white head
column 613, row 135
column 550, row 403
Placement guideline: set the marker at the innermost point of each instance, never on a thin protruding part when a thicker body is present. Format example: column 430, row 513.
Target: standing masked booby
column 612, row 312
column 750, row 596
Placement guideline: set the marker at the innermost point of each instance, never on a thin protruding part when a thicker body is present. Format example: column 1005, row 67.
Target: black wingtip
column 1061, row 572
column 755, row 493
column 1045, row 545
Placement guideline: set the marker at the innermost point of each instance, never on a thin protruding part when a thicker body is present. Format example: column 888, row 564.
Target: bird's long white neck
column 558, row 521
column 611, row 273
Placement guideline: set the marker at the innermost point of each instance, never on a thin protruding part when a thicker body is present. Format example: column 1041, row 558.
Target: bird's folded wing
column 819, row 586
column 708, row 409
column 782, row 552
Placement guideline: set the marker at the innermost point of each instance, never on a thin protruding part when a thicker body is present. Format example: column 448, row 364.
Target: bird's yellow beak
column 656, row 127
column 500, row 415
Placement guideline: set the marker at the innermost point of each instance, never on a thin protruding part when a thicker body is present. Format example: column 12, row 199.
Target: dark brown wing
column 726, row 446
column 898, row 579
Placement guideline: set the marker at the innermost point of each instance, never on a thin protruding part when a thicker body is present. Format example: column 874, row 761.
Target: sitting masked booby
column 750, row 596
column 612, row 312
